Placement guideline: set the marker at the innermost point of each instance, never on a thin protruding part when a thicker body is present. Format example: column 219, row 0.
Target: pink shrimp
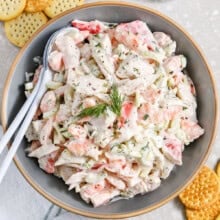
column 165, row 114
column 191, row 129
column 158, row 115
column 150, row 94
column 163, row 39
column 55, row 60
column 174, row 64
column 104, row 196
column 48, row 101
column 126, row 109
column 94, row 27
column 134, row 35
column 79, row 147
column 99, row 193
column 125, row 113
column 47, row 163
column 173, row 148
column 115, row 164
column 77, row 131
column 90, row 190
column 93, row 189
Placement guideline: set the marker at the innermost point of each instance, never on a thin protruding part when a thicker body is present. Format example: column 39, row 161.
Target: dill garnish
column 116, row 101
column 96, row 111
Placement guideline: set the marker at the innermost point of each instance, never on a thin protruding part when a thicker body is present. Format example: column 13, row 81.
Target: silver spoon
column 29, row 108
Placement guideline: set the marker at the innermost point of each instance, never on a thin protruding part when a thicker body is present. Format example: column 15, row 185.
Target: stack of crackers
column 202, row 197
column 23, row 17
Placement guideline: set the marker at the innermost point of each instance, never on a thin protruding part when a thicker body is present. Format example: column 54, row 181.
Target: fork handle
column 21, row 132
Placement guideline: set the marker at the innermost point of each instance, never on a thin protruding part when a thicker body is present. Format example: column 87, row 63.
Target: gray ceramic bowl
column 193, row 157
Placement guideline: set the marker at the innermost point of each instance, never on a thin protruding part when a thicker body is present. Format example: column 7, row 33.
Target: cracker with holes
column 203, row 191
column 218, row 169
column 58, row 6
column 36, row 5
column 20, row 29
column 218, row 217
column 10, row 9
column 79, row 2
column 207, row 213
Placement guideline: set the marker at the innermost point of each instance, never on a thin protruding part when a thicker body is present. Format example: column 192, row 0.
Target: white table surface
column 201, row 18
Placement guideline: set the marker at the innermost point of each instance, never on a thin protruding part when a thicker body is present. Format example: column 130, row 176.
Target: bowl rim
column 80, row 211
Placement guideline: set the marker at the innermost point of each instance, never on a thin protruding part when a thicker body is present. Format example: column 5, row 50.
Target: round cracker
column 20, row 29
column 208, row 213
column 36, row 5
column 218, row 169
column 203, row 191
column 79, row 2
column 58, row 6
column 10, row 9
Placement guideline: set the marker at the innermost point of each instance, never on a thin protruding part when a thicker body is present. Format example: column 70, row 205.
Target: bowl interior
column 193, row 155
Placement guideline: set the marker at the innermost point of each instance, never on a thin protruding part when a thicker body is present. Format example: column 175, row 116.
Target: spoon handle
column 21, row 132
column 20, row 116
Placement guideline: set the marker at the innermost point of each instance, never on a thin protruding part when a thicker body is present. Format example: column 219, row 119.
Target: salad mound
column 118, row 113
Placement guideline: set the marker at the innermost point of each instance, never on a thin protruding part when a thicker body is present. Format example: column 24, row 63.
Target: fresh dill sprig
column 97, row 110
column 116, row 101
column 93, row 111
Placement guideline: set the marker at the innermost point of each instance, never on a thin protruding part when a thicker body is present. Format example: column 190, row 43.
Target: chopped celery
column 54, row 85
column 29, row 86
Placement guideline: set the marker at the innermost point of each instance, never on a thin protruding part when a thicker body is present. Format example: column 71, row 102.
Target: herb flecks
column 116, row 101
column 98, row 45
column 95, row 111
column 146, row 116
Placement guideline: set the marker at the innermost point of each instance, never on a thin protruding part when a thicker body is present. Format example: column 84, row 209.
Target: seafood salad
column 118, row 112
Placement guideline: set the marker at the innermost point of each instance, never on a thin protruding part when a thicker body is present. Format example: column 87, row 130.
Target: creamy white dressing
column 122, row 148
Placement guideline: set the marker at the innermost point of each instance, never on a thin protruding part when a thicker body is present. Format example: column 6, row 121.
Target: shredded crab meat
column 118, row 112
